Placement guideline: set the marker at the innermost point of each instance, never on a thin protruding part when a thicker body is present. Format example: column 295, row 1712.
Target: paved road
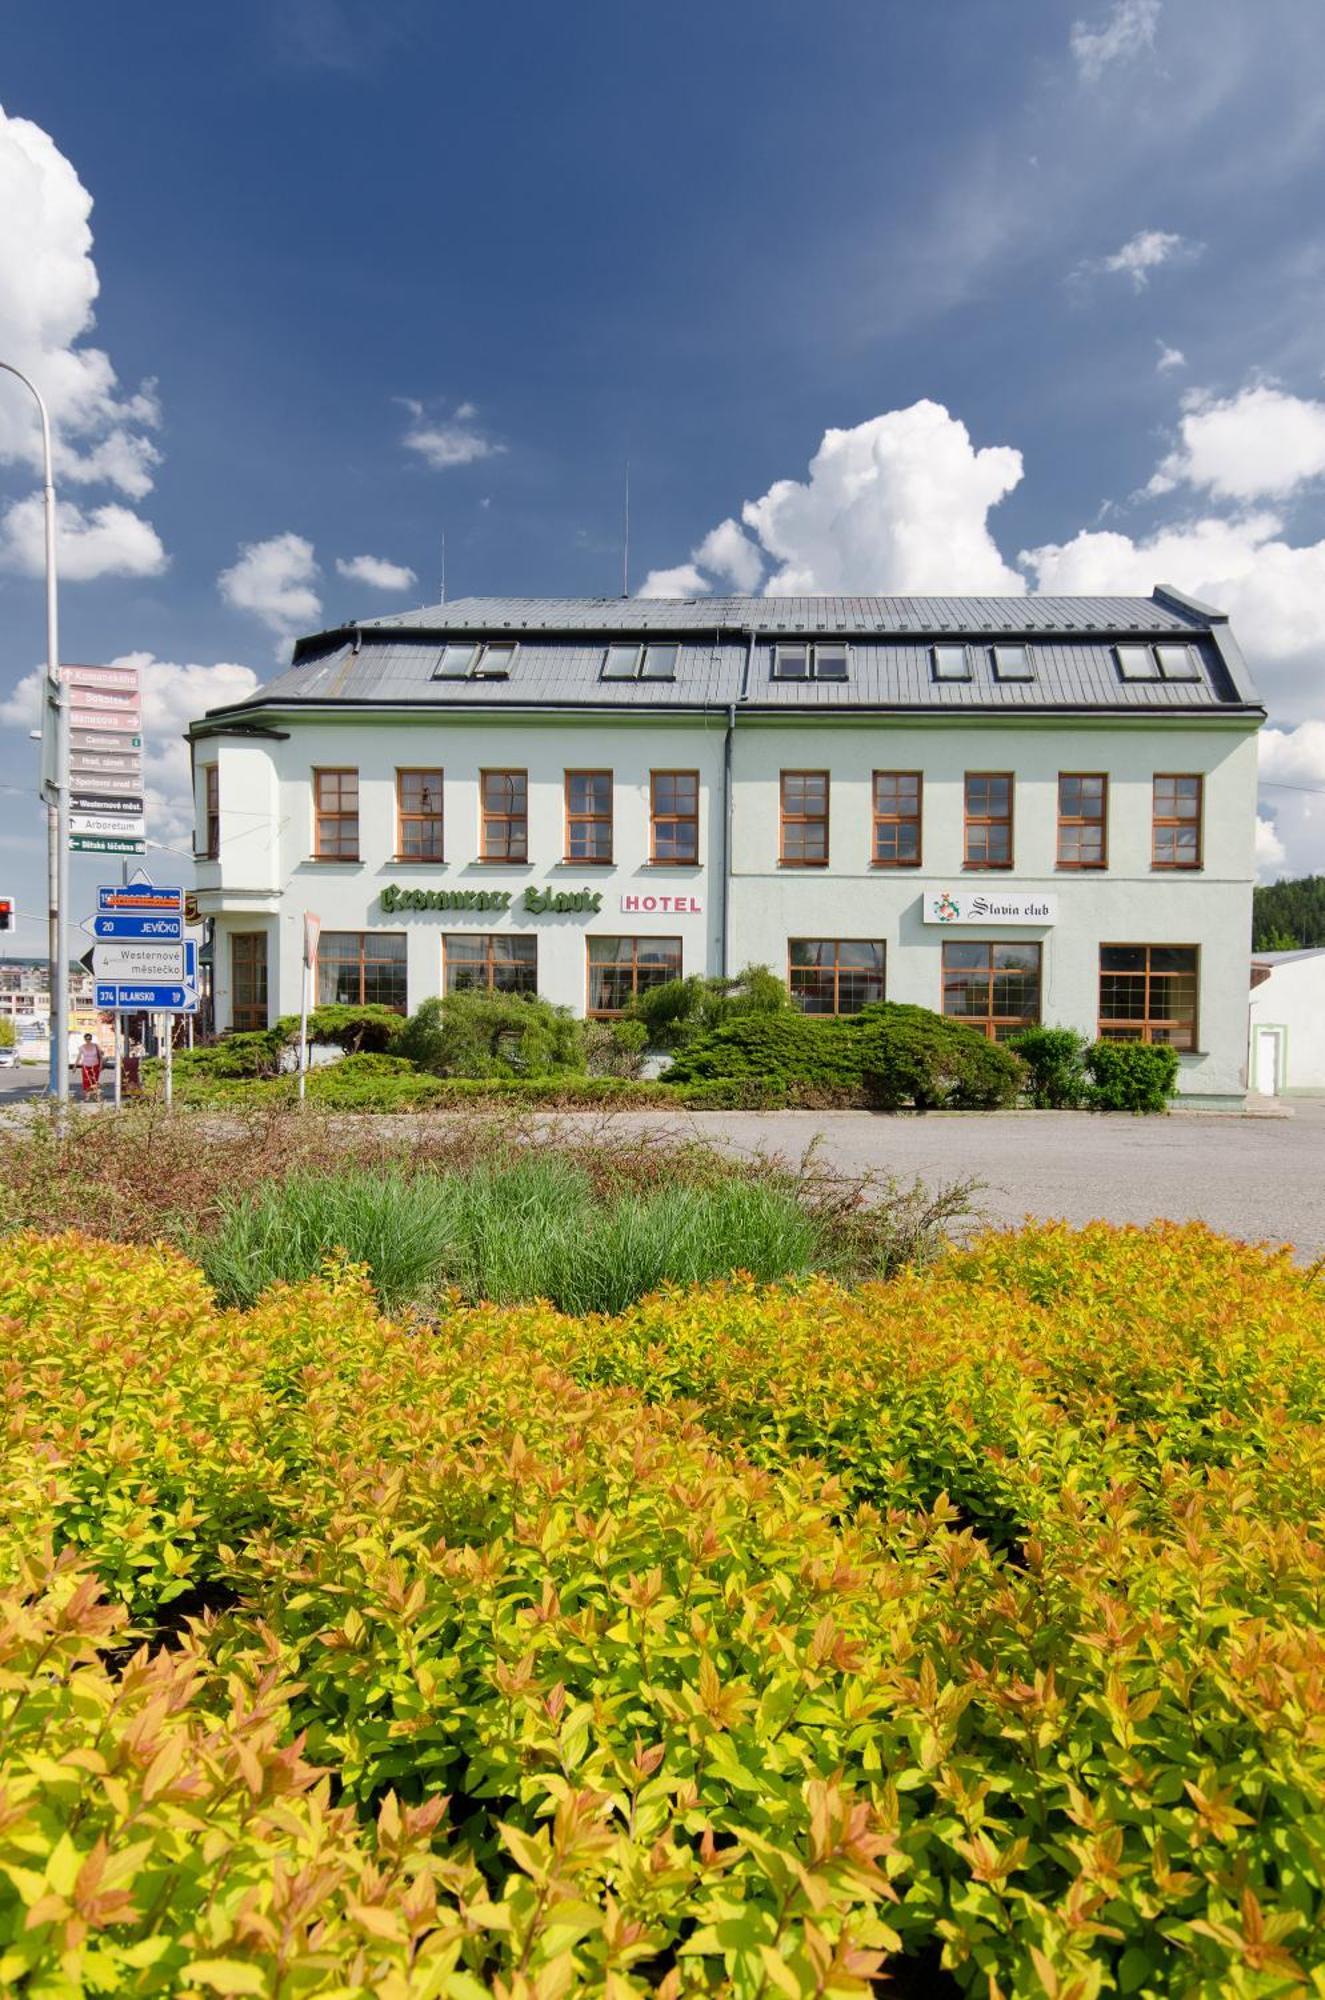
column 1259, row 1178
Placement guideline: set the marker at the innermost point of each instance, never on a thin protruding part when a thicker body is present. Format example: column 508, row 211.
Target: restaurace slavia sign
column 961, row 906
column 538, row 902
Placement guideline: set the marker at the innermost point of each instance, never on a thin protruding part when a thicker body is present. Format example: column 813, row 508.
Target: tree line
column 1286, row 916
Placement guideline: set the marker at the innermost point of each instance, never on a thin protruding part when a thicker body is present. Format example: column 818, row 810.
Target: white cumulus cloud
column 103, row 541
column 275, row 580
column 898, row 503
column 682, row 581
column 1128, row 30
column 1270, row 852
column 48, row 289
column 1292, row 769
column 173, row 696
column 1259, row 444
column 1169, row 358
column 443, row 442
column 376, row 572
column 1144, row 253
column 731, row 555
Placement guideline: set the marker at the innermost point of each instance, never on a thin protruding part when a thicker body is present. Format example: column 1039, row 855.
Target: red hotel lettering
column 677, row 906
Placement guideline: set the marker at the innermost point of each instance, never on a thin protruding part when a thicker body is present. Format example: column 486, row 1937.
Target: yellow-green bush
column 760, row 1642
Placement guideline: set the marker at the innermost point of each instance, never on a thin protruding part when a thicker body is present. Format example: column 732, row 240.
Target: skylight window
column 495, row 660
column 799, row 661
column 791, row 663
column 620, row 663
column 951, row 663
column 640, row 663
column 1178, row 663
column 455, row 662
column 1135, row 663
column 1013, row 663
column 659, row 663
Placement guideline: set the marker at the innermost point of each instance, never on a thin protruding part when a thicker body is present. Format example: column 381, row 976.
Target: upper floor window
column 1177, row 820
column 1178, row 663
column 505, row 828
column 804, row 819
column 469, row 659
column 211, row 796
column 1170, row 662
column 1083, row 803
column 674, row 816
column 801, row 661
column 950, row 663
column 419, row 815
column 634, row 662
column 336, row 815
column 588, row 815
column 897, row 819
column 988, row 819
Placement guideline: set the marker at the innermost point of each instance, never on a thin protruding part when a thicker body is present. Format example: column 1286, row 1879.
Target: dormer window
column 1135, row 663
column 640, row 663
column 1013, row 663
column 950, row 663
column 799, row 661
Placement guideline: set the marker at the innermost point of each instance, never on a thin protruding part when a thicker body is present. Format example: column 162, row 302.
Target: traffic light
column 7, row 916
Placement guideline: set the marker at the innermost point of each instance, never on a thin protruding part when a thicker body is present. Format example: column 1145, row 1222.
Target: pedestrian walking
column 89, row 1065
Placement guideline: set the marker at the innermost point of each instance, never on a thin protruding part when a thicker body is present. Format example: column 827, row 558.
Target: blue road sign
column 146, row 899
column 168, row 930
column 124, row 999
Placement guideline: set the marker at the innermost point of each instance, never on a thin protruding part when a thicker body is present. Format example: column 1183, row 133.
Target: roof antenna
column 443, row 566
column 625, row 546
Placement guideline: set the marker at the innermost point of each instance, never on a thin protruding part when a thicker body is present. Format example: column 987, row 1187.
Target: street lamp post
column 55, row 775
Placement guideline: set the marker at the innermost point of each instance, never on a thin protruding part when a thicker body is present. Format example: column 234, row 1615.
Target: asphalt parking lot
column 1262, row 1179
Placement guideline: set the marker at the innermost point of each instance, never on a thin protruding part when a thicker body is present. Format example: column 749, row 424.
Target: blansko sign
column 980, row 906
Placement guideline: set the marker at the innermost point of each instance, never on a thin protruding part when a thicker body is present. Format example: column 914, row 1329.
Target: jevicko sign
column 983, row 906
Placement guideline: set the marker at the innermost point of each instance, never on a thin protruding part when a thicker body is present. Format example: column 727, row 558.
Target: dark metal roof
column 726, row 650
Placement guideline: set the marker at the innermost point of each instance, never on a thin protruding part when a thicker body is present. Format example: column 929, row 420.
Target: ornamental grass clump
column 961, row 1634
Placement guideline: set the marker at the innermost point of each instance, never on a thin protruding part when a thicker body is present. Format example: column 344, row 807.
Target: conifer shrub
column 1055, row 1060
column 482, row 1034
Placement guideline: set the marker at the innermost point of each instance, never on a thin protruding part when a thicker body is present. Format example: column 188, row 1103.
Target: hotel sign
column 987, row 906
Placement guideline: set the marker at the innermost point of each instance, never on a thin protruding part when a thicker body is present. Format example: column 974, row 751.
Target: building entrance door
column 1267, row 1068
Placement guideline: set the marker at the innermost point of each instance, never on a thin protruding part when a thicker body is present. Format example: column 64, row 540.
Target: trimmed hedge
column 1132, row 1076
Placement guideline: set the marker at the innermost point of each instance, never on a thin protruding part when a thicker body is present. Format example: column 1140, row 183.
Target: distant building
column 1287, row 1045
column 1011, row 810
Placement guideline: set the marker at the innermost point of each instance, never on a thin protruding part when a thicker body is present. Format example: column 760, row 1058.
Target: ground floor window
column 992, row 987
column 362, row 969
column 834, row 975
column 1148, row 993
column 498, row 963
column 622, row 967
column 248, row 981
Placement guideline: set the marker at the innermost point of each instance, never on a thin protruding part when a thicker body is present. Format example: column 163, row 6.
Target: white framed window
column 1013, row 663
column 950, row 663
column 634, row 662
column 798, row 660
column 1135, row 663
column 1178, row 663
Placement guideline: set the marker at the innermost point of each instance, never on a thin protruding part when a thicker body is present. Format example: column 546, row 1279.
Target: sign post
column 106, row 810
column 312, row 932
column 143, row 964
column 169, row 1073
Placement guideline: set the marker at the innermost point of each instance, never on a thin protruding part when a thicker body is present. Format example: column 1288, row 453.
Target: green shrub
column 1132, row 1076
column 886, row 1056
column 247, row 1055
column 613, row 1048
column 492, row 1034
column 1055, row 1061
column 371, row 1083
column 909, row 1055
column 681, row 1009
column 355, row 1029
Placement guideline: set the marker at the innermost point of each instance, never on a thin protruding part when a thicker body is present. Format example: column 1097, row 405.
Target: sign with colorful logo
column 984, row 906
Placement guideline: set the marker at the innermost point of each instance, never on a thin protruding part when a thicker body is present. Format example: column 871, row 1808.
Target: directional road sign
column 144, row 898
column 96, row 843
column 168, row 930
column 146, row 960
column 123, row 999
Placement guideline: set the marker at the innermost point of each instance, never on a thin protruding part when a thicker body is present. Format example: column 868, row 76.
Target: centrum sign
column 538, row 902
column 979, row 906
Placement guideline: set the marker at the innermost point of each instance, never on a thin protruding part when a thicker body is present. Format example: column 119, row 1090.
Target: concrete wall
column 266, row 878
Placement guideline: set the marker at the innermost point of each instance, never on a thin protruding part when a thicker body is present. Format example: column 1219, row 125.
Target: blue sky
column 1054, row 273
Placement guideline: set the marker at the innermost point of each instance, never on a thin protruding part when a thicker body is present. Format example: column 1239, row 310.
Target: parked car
column 8, row 1058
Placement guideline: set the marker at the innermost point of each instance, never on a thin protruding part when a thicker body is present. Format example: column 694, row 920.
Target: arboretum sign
column 538, row 902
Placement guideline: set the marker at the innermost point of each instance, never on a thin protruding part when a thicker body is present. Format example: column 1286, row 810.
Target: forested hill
column 1287, row 915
